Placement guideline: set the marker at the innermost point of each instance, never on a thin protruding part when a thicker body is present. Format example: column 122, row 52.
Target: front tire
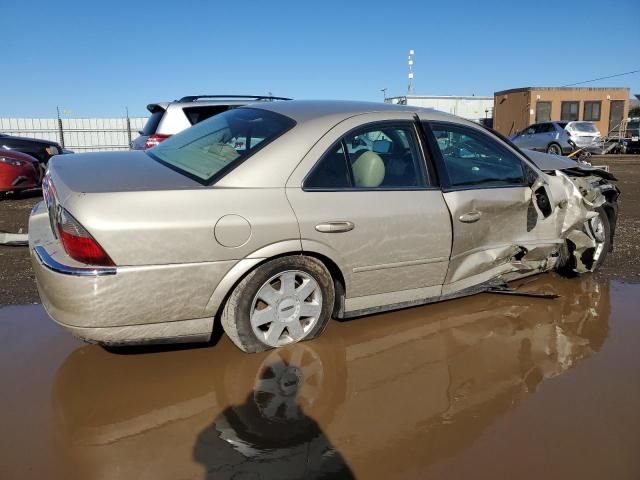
column 600, row 228
column 592, row 258
column 283, row 301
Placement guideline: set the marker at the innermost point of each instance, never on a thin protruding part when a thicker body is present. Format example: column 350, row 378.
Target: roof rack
column 193, row 98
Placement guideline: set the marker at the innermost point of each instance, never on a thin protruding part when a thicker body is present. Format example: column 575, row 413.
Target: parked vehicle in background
column 559, row 138
column 276, row 216
column 18, row 171
column 585, row 135
column 169, row 118
column 632, row 136
column 41, row 150
column 549, row 137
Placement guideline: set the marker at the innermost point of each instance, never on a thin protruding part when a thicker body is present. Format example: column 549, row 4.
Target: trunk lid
column 106, row 172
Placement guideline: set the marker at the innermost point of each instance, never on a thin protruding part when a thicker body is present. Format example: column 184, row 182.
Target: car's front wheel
column 601, row 231
column 591, row 259
column 283, row 301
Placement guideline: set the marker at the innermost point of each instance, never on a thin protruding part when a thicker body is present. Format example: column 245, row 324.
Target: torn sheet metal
column 585, row 193
column 14, row 239
column 548, row 222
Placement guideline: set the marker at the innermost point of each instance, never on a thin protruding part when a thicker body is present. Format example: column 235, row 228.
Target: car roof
column 211, row 100
column 306, row 110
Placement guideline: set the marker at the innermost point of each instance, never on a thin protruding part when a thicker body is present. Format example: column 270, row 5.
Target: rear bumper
column 122, row 305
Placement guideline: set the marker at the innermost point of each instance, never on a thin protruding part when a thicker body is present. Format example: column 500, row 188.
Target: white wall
column 471, row 108
column 80, row 134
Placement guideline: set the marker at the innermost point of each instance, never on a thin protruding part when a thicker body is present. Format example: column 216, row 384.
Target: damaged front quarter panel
column 582, row 195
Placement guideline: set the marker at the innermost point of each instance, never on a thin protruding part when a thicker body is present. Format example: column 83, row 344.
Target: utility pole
column 384, row 93
column 410, row 75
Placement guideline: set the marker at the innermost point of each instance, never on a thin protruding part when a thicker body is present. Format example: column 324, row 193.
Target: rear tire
column 281, row 302
column 554, row 149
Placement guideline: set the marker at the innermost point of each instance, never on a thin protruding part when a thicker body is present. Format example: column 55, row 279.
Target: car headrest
column 227, row 152
column 368, row 170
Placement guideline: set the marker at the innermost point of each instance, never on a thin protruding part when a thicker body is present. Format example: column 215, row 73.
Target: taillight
column 78, row 243
column 155, row 139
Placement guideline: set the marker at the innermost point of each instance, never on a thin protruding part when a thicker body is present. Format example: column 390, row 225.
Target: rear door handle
column 470, row 217
column 335, row 227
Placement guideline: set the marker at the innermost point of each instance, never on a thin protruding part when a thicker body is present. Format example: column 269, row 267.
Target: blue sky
column 95, row 58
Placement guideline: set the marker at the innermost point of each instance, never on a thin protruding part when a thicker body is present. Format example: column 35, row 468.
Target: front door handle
column 470, row 217
column 335, row 227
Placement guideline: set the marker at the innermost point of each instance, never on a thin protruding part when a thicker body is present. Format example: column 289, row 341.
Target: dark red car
column 18, row 171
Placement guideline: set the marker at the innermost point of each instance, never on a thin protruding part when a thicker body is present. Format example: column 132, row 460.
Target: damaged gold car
column 276, row 216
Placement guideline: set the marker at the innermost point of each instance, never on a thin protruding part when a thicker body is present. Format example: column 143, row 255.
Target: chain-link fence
column 78, row 134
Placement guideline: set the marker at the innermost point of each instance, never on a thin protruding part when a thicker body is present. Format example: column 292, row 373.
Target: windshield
column 209, row 149
column 583, row 127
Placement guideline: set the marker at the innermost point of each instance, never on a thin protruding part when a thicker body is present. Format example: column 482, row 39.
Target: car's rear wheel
column 554, row 149
column 283, row 301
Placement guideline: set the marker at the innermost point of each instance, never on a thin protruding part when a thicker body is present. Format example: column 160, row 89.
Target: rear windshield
column 206, row 151
column 198, row 114
column 152, row 123
column 583, row 127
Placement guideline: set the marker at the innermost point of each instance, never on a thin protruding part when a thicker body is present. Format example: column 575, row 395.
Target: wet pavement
column 484, row 387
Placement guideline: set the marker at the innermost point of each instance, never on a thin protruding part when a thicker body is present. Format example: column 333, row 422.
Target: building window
column 569, row 111
column 543, row 112
column 592, row 111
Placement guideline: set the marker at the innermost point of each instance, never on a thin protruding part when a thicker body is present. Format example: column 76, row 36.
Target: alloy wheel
column 286, row 308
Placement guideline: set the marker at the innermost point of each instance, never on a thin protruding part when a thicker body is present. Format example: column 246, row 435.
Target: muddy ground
column 16, row 277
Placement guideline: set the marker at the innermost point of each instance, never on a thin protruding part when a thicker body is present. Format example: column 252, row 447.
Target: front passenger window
column 472, row 158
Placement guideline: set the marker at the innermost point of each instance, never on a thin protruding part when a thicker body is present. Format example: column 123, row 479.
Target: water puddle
column 489, row 386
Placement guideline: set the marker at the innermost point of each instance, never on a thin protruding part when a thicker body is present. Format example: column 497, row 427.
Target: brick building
column 516, row 109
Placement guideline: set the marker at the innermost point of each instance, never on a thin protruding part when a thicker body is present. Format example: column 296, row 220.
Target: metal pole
column 60, row 130
column 410, row 75
column 128, row 126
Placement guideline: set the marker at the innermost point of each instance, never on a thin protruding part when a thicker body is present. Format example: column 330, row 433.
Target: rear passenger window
column 472, row 158
column 544, row 128
column 331, row 172
column 382, row 156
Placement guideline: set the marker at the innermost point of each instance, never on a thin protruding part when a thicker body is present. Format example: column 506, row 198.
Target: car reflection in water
column 380, row 398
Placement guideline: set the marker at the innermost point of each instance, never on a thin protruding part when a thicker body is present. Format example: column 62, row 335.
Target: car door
column 365, row 198
column 546, row 134
column 526, row 137
column 498, row 225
